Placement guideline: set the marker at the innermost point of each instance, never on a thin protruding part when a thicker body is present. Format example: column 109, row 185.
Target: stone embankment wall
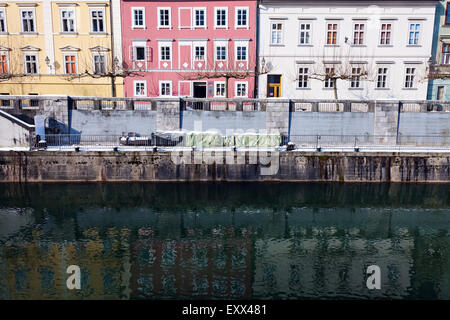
column 42, row 166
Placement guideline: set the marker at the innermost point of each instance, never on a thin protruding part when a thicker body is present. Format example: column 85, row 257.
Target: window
column 70, row 65
column 27, row 20
column 241, row 89
column 140, row 88
column 332, row 29
column 31, row 64
column 445, row 53
column 329, row 74
column 220, row 89
column 97, row 22
column 241, row 17
column 305, row 33
column 5, row 103
column 303, row 77
column 414, row 31
column 221, row 18
column 33, row 102
column 165, row 88
column 382, row 77
column 165, row 53
column 241, row 53
column 164, row 17
column 386, row 29
column 277, row 33
column 200, row 17
column 99, row 64
column 199, row 53
column 3, row 63
column 139, row 53
column 356, row 78
column 221, row 53
column 138, row 17
column 67, row 20
column 409, row 77
column 2, row 21
column 358, row 33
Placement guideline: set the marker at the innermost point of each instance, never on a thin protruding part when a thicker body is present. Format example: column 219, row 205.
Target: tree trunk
column 113, row 86
column 226, row 92
column 335, row 93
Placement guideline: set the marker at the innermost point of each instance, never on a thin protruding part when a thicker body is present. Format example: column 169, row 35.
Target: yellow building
column 60, row 47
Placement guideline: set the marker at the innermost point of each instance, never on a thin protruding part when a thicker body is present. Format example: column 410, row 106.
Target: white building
column 375, row 49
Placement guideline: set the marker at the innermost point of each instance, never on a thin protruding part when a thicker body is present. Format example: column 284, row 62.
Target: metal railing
column 31, row 102
column 367, row 141
column 70, row 141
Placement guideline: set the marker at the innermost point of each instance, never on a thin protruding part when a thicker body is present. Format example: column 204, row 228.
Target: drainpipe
column 256, row 50
column 113, row 79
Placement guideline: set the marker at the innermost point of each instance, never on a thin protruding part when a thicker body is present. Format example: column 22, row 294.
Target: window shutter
column 149, row 54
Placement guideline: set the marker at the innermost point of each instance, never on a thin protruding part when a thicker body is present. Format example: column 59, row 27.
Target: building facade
column 189, row 48
column 345, row 49
column 439, row 84
column 60, row 47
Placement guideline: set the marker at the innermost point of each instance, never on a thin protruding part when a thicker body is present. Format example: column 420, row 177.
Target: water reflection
column 224, row 241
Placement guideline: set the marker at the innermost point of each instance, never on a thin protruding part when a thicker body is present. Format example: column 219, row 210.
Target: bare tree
column 231, row 71
column 340, row 66
column 101, row 69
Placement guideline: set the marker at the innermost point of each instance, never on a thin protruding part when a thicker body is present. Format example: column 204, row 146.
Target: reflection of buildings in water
column 306, row 266
column 37, row 269
column 304, row 253
column 214, row 266
column 326, row 254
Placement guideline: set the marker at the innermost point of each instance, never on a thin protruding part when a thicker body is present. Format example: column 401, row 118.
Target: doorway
column 273, row 86
column 199, row 92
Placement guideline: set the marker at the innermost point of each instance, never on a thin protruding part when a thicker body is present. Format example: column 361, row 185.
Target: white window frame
column 133, row 21
column 359, row 32
column 195, row 53
column 5, row 24
column 76, row 61
column 161, row 82
column 34, row 20
column 338, row 27
column 139, row 44
column 220, row 45
column 272, row 22
column 387, row 76
column 215, row 18
column 300, row 31
column 327, row 80
column 390, row 44
column 103, row 18
column 93, row 61
column 419, row 38
column 25, row 62
column 246, row 26
column 414, row 76
column 238, row 44
column 308, row 82
column 135, row 82
column 359, row 80
column 236, row 89
column 160, row 46
column 194, row 21
column 159, row 18
column 5, row 53
column 71, row 9
column 216, row 83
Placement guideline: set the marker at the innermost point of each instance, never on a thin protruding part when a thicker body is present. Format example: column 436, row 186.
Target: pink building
column 185, row 48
